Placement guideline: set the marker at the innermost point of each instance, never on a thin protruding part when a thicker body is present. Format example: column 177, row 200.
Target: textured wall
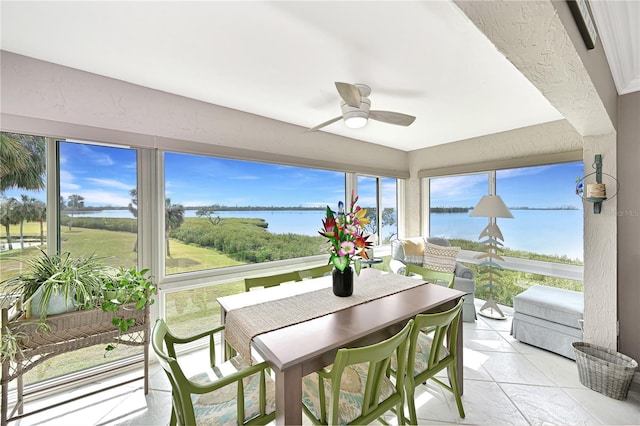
column 78, row 104
column 600, row 254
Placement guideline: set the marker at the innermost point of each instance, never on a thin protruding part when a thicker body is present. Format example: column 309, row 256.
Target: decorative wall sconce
column 596, row 192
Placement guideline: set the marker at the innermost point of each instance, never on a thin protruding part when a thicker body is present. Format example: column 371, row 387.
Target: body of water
column 551, row 232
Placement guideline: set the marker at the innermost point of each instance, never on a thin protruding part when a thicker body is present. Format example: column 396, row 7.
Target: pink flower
column 347, row 248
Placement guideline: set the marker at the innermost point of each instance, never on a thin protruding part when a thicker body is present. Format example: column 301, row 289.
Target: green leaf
column 340, row 262
column 358, row 266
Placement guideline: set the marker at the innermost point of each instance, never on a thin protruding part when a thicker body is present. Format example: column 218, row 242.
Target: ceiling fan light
column 355, row 122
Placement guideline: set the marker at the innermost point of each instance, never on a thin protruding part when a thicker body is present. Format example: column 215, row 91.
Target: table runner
column 243, row 324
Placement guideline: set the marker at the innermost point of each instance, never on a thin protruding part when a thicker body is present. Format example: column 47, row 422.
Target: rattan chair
column 220, row 394
column 364, row 392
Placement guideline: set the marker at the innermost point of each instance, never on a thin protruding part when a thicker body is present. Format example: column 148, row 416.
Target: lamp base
column 490, row 310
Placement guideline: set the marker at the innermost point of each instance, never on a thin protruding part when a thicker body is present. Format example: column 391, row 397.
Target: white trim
column 621, row 41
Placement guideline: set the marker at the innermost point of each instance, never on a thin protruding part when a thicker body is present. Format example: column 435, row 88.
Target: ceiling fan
column 356, row 109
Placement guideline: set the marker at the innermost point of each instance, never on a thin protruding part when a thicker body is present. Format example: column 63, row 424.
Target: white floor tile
column 486, row 404
column 514, row 368
column 607, row 410
column 486, row 340
column 561, row 371
column 547, row 405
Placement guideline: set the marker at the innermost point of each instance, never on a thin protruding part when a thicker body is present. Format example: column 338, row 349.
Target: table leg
column 289, row 396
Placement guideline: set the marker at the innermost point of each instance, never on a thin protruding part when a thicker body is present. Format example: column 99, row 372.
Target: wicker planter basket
column 604, row 370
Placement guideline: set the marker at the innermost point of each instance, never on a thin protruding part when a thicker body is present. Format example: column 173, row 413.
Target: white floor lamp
column 491, row 206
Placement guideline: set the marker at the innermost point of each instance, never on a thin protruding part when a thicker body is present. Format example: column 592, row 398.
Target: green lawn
column 188, row 311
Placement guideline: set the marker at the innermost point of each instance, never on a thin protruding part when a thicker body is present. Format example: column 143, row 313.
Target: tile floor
column 506, row 383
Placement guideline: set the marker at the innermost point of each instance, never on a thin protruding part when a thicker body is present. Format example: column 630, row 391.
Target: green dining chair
column 271, row 280
column 316, row 272
column 431, row 352
column 435, row 277
column 364, row 391
column 219, row 394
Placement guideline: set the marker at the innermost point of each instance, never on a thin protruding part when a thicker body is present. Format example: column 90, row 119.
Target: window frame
column 551, row 269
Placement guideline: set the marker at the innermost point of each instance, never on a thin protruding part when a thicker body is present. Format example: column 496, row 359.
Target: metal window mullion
column 53, row 195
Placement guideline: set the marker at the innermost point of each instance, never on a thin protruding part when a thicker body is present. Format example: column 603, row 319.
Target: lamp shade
column 491, row 206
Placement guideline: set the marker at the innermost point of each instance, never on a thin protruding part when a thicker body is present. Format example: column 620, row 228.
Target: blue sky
column 540, row 186
column 105, row 175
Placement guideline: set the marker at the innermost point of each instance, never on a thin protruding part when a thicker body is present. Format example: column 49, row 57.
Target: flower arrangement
column 346, row 234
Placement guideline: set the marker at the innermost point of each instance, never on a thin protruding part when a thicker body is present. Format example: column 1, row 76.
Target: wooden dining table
column 296, row 350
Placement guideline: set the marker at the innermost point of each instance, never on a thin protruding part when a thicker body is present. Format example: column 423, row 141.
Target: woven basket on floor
column 604, row 370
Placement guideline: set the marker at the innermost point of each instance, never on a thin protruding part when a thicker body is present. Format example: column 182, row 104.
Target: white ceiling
column 280, row 60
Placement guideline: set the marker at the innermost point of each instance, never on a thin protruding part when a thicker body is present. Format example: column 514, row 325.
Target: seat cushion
column 423, row 349
column 351, row 392
column 552, row 304
column 219, row 407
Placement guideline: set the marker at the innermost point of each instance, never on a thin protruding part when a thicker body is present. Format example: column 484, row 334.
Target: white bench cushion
column 552, row 304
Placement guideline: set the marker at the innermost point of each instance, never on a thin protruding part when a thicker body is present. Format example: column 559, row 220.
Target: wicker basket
column 604, row 370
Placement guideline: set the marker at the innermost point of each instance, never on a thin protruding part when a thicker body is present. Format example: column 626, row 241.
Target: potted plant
column 53, row 284
column 126, row 286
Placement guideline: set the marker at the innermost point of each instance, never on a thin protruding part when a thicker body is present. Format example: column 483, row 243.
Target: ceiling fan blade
column 349, row 93
column 326, row 123
column 392, row 117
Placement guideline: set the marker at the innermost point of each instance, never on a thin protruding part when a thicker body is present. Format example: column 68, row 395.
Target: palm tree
column 173, row 218
column 8, row 217
column 26, row 213
column 22, row 161
column 41, row 216
column 75, row 202
column 133, row 208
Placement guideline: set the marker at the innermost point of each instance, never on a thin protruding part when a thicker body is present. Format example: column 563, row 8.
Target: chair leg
column 453, row 379
column 411, row 403
column 174, row 419
column 400, row 413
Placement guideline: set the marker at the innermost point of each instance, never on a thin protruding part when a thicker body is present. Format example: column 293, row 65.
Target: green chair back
column 435, row 277
column 433, row 348
column 364, row 390
column 241, row 391
column 316, row 272
column 271, row 280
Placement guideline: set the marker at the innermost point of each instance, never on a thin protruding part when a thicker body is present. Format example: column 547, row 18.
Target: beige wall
column 40, row 97
column 628, row 214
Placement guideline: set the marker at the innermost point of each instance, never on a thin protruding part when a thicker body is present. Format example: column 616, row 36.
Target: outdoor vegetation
column 512, row 283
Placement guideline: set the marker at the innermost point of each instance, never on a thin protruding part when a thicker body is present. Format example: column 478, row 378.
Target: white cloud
column 245, row 177
column 94, row 156
column 101, row 198
column 456, row 186
column 67, row 181
column 111, row 183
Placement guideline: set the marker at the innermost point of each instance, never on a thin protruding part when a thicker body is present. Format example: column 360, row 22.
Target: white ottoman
column 547, row 317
